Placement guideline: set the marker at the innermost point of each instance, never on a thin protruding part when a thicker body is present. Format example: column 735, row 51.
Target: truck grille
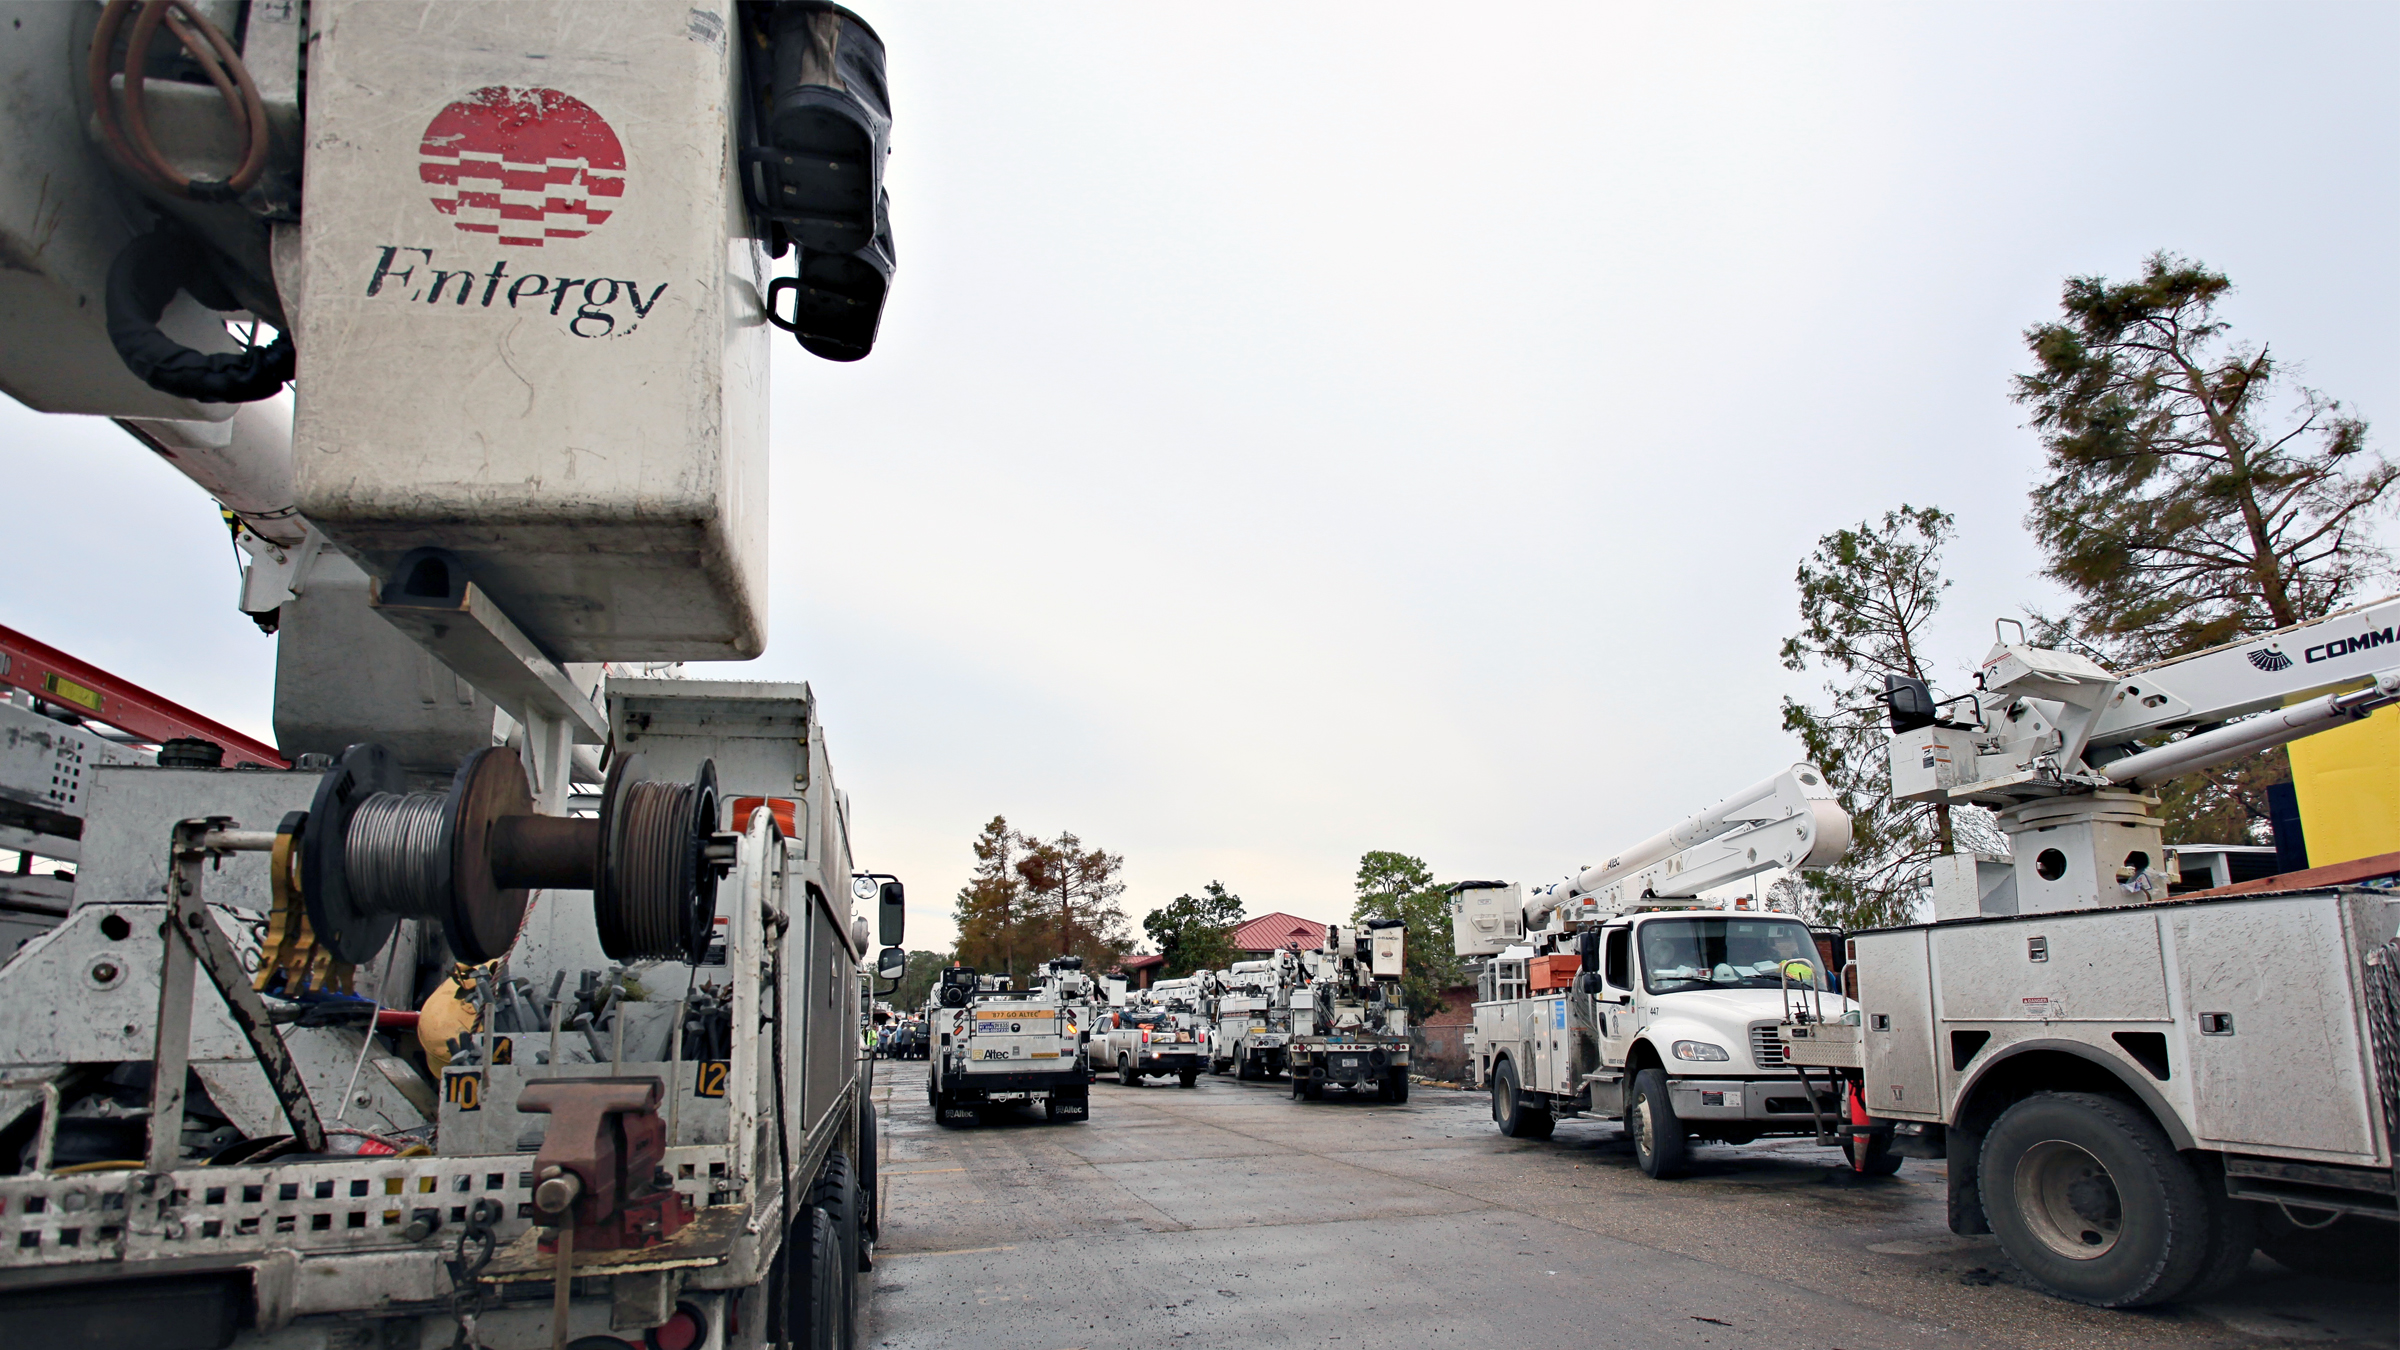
column 1766, row 1046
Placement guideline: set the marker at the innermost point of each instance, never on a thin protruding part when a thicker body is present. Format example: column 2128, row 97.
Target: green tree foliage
column 2196, row 495
column 1032, row 899
column 1397, row 886
column 1195, row 932
column 1074, row 893
column 917, row 981
column 993, row 910
column 1866, row 595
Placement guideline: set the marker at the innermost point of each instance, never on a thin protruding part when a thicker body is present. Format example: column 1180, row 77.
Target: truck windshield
column 1723, row 953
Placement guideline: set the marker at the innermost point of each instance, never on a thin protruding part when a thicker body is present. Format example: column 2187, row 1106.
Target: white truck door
column 1613, row 1005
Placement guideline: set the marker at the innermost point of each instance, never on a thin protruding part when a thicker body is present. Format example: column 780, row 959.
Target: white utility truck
column 1350, row 1030
column 1155, row 1033
column 2134, row 1092
column 996, row 1048
column 514, row 998
column 1621, row 992
column 1250, row 1017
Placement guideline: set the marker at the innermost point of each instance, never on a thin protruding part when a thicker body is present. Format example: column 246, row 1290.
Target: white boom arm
column 2048, row 723
column 1788, row 820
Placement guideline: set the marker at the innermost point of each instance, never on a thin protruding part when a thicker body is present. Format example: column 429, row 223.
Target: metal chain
column 467, row 1294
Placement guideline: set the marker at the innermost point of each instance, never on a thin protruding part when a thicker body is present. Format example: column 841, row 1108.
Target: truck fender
column 2124, row 1073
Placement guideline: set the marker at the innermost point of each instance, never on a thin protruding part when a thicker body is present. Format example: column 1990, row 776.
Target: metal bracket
column 467, row 632
column 192, row 940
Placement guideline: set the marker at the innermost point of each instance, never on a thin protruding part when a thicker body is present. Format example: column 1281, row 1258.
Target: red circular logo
column 524, row 164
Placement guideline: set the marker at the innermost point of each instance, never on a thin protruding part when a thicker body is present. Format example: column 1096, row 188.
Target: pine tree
column 2196, row 495
column 1866, row 594
column 1072, row 899
column 992, row 906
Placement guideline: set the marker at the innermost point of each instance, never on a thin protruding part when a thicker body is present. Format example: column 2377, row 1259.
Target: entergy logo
column 527, row 165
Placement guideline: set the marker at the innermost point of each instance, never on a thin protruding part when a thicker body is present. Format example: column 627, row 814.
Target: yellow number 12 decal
column 709, row 1081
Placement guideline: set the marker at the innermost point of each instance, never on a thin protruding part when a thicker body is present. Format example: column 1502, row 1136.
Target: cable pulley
column 373, row 853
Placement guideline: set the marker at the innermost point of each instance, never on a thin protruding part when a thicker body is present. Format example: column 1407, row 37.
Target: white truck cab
column 1674, row 1028
column 1623, row 990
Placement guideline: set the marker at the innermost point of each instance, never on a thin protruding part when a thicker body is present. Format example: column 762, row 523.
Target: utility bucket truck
column 1620, row 992
column 999, row 1048
column 512, row 999
column 1251, row 1018
column 1350, row 1029
column 2134, row 1092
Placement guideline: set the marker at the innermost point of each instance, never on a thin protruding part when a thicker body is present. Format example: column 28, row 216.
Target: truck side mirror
column 892, row 964
column 892, row 912
column 1911, row 702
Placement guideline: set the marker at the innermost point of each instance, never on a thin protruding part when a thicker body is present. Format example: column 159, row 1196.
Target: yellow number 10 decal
column 709, row 1081
column 464, row 1091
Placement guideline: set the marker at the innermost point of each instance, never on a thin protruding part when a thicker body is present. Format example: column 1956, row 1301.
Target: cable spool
column 374, row 854
column 657, row 892
column 353, row 932
column 469, row 859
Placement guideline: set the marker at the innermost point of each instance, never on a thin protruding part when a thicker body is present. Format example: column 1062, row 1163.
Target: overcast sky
column 1300, row 430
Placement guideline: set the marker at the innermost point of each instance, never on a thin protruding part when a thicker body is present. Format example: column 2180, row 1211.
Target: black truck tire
column 1395, row 1084
column 1517, row 1117
column 1126, row 1077
column 1661, row 1147
column 816, row 1271
column 2092, row 1202
column 1188, row 1078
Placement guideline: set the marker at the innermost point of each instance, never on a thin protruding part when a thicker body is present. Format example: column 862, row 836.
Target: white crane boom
column 1787, row 820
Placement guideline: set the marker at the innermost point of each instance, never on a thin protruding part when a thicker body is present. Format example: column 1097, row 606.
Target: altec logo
column 527, row 165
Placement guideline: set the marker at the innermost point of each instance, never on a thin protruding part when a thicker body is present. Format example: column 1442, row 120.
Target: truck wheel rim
column 2069, row 1200
column 1641, row 1127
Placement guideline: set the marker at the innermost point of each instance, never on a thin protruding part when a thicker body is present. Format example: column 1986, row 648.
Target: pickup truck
column 1149, row 1043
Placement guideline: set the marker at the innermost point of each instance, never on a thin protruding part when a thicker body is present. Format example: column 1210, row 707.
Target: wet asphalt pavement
column 1231, row 1215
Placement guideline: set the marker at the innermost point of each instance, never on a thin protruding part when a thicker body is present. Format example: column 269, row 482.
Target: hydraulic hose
column 142, row 282
column 215, row 55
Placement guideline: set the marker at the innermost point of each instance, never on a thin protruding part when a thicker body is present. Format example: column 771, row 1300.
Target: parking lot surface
column 1232, row 1215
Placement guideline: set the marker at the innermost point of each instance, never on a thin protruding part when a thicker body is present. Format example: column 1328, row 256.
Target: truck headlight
column 1699, row 1050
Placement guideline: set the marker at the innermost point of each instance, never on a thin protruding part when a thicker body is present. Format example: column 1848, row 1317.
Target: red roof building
column 1139, row 971
column 1270, row 933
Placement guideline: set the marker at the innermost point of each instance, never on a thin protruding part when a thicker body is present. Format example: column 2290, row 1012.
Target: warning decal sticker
column 527, row 165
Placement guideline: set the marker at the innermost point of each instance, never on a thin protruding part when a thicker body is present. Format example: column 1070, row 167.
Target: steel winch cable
column 398, row 856
column 647, row 911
